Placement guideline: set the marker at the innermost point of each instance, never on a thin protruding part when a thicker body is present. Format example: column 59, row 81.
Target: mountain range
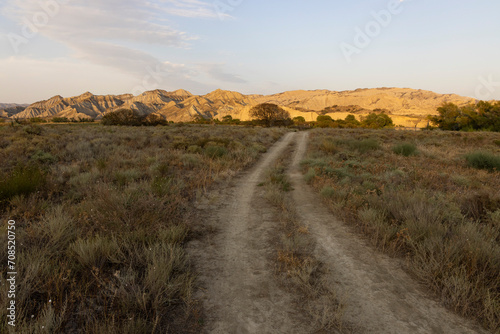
column 407, row 106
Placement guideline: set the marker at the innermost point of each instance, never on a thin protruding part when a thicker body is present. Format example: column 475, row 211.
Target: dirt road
column 240, row 293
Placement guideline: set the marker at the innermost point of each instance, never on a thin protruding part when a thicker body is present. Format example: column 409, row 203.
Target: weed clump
column 483, row 160
column 215, row 151
column 405, row 149
column 23, row 180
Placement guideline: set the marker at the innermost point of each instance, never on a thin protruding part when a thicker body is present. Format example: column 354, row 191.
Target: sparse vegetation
column 101, row 221
column 433, row 209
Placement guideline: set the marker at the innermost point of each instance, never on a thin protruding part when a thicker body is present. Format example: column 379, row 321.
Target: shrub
column 405, row 149
column 483, row 160
column 299, row 120
column 60, row 120
column 364, row 145
column 215, row 151
column 22, row 181
column 327, row 192
column 328, row 146
column 33, row 130
column 154, row 120
column 43, row 157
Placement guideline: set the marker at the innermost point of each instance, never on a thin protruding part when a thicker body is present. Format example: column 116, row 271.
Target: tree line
column 482, row 116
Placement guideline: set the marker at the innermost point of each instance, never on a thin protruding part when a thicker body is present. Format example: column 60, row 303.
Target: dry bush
column 101, row 221
column 432, row 208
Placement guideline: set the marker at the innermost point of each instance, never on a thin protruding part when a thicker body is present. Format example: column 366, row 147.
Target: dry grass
column 423, row 201
column 296, row 266
column 101, row 221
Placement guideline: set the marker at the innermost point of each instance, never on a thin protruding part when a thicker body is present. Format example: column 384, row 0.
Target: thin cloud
column 97, row 31
column 217, row 72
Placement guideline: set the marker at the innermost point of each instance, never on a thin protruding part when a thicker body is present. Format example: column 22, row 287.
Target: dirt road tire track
column 240, row 294
column 379, row 296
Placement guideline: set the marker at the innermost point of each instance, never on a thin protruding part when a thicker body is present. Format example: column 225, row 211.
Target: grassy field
column 101, row 221
column 432, row 198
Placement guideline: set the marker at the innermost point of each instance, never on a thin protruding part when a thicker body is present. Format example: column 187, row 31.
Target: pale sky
column 68, row 47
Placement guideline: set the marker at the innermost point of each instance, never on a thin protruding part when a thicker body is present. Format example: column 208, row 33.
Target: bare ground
column 240, row 294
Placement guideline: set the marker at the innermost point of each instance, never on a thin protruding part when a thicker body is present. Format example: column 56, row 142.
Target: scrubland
column 101, row 217
column 431, row 198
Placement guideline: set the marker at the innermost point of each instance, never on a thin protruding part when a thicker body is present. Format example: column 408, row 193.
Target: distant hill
column 10, row 109
column 407, row 106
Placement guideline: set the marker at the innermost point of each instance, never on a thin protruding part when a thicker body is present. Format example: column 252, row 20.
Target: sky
column 69, row 47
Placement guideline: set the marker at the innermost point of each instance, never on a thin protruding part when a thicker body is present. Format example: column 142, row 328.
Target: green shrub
column 60, row 120
column 22, row 181
column 496, row 142
column 43, row 157
column 193, row 149
column 215, row 151
column 33, row 130
column 327, row 192
column 483, row 160
column 405, row 149
column 364, row 145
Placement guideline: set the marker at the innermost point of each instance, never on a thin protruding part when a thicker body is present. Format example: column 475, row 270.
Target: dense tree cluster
column 129, row 117
column 372, row 121
column 480, row 116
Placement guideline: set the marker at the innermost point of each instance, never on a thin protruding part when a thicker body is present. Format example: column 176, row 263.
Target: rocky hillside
column 10, row 109
column 181, row 105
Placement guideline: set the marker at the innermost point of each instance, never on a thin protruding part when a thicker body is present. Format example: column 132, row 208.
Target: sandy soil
column 240, row 294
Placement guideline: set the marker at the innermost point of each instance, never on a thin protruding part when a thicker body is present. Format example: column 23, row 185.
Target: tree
column 227, row 119
column 154, row 120
column 122, row 117
column 299, row 120
column 481, row 116
column 325, row 121
column 351, row 122
column 377, row 121
column 270, row 114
